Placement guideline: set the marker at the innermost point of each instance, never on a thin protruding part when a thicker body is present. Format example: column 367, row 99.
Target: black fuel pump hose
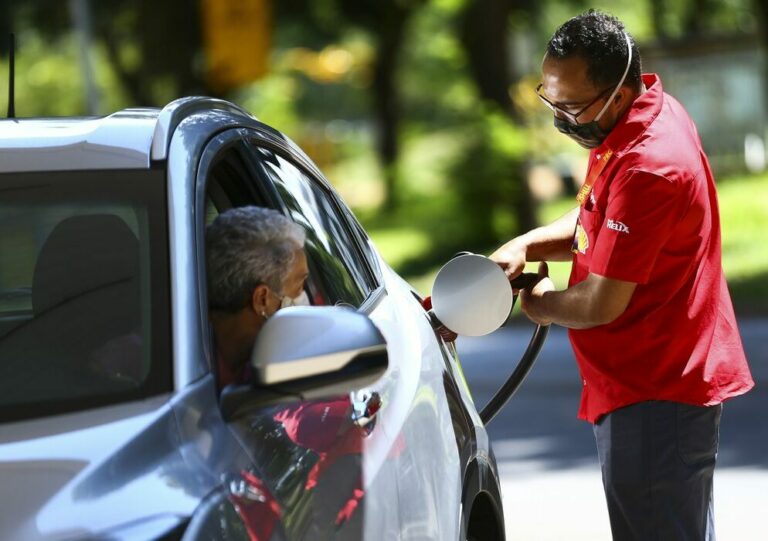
column 517, row 377
column 525, row 364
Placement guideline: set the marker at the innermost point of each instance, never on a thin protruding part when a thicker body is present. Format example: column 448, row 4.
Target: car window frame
column 265, row 194
column 261, row 193
column 375, row 287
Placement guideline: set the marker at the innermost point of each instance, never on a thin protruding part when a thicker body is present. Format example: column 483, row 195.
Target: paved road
column 547, row 459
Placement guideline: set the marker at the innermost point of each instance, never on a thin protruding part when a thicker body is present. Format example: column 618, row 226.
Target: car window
column 334, row 260
column 366, row 247
column 83, row 290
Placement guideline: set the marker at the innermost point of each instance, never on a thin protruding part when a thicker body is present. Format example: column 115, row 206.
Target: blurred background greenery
column 422, row 113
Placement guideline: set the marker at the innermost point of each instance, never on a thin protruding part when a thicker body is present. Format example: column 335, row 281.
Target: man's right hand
column 511, row 257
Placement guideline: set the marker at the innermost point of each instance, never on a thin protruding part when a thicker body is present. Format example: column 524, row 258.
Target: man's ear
column 259, row 298
column 622, row 98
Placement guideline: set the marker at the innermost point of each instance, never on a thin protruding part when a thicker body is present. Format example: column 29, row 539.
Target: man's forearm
column 551, row 242
column 595, row 301
column 572, row 308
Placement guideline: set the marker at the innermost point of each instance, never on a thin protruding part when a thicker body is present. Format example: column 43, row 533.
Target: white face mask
column 301, row 300
column 285, row 302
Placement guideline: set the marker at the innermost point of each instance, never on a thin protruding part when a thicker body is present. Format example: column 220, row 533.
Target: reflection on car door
column 307, row 456
column 338, row 276
column 413, row 443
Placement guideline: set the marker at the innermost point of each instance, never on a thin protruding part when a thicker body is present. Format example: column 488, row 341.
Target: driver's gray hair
column 247, row 247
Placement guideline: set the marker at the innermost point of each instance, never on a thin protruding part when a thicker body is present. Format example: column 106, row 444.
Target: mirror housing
column 309, row 352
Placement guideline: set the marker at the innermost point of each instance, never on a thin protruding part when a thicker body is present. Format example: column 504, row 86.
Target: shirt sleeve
column 641, row 214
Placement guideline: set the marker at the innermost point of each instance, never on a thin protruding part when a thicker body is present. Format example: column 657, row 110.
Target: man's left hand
column 532, row 298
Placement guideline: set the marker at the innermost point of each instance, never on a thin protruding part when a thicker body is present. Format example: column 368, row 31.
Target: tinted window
column 366, row 246
column 229, row 182
column 334, row 262
column 83, row 290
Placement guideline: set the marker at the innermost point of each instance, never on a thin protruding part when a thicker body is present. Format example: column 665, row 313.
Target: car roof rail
column 175, row 112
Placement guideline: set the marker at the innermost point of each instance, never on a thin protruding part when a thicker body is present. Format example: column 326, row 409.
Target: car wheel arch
column 482, row 515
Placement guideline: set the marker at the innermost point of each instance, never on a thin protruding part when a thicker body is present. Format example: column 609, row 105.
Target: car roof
column 128, row 139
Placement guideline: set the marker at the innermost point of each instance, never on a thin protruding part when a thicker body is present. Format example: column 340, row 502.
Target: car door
column 414, row 442
column 339, row 276
column 305, row 455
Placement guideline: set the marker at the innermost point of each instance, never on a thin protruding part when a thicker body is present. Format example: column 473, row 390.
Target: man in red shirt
column 649, row 313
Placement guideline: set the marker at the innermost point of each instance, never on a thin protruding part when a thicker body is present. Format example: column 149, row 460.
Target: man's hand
column 511, row 257
column 532, row 298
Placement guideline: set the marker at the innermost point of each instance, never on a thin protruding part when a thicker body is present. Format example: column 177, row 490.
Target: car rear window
column 83, row 290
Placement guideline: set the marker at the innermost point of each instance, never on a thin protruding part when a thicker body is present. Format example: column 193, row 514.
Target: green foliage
column 461, row 161
column 743, row 221
column 272, row 100
column 486, row 178
column 434, row 82
column 49, row 79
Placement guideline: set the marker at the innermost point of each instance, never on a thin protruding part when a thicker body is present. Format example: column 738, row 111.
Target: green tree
column 386, row 23
column 154, row 48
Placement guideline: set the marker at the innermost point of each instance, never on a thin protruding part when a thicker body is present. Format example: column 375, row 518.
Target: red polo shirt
column 652, row 218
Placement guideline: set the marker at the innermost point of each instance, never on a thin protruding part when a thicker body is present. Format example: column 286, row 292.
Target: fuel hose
column 513, row 382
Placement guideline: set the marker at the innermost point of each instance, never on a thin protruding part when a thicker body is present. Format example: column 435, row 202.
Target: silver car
column 111, row 422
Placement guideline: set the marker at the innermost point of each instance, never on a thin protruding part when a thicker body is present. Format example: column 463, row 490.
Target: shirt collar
column 637, row 118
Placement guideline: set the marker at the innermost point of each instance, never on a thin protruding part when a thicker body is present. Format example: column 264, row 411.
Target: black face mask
column 588, row 135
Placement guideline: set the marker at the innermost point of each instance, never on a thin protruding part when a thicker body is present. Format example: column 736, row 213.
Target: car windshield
column 83, row 290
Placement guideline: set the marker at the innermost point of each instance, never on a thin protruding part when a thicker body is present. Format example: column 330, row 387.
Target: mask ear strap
column 621, row 82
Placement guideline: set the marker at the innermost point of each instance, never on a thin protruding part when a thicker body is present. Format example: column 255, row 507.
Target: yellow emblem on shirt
column 580, row 240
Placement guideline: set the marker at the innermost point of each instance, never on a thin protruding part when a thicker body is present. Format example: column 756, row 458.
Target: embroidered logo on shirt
column 617, row 226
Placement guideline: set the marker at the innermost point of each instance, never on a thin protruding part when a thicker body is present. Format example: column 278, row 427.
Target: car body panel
column 91, row 468
column 83, row 480
column 118, row 141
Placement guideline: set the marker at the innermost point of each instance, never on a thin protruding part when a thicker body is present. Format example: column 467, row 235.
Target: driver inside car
column 256, row 265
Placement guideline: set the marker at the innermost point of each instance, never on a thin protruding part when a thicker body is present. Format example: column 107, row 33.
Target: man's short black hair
column 599, row 39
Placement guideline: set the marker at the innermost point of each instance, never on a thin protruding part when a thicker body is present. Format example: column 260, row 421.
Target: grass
column 744, row 222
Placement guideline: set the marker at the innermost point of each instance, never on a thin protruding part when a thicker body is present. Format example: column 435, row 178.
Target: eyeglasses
column 573, row 118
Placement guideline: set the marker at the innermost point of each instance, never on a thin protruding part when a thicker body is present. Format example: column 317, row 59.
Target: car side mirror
column 309, row 352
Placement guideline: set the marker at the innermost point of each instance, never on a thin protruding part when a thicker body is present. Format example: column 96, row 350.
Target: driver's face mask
column 590, row 134
column 301, row 300
column 286, row 301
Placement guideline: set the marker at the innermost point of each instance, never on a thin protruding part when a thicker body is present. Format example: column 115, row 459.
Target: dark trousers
column 657, row 460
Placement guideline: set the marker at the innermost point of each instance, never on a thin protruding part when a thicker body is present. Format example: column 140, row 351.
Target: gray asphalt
column 547, row 458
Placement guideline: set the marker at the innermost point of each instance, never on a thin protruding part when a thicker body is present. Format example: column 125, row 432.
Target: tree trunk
column 390, row 36
column 130, row 81
column 761, row 14
column 484, row 34
column 658, row 8
column 696, row 17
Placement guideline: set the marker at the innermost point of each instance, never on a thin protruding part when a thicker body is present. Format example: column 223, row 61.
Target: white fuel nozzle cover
column 471, row 295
